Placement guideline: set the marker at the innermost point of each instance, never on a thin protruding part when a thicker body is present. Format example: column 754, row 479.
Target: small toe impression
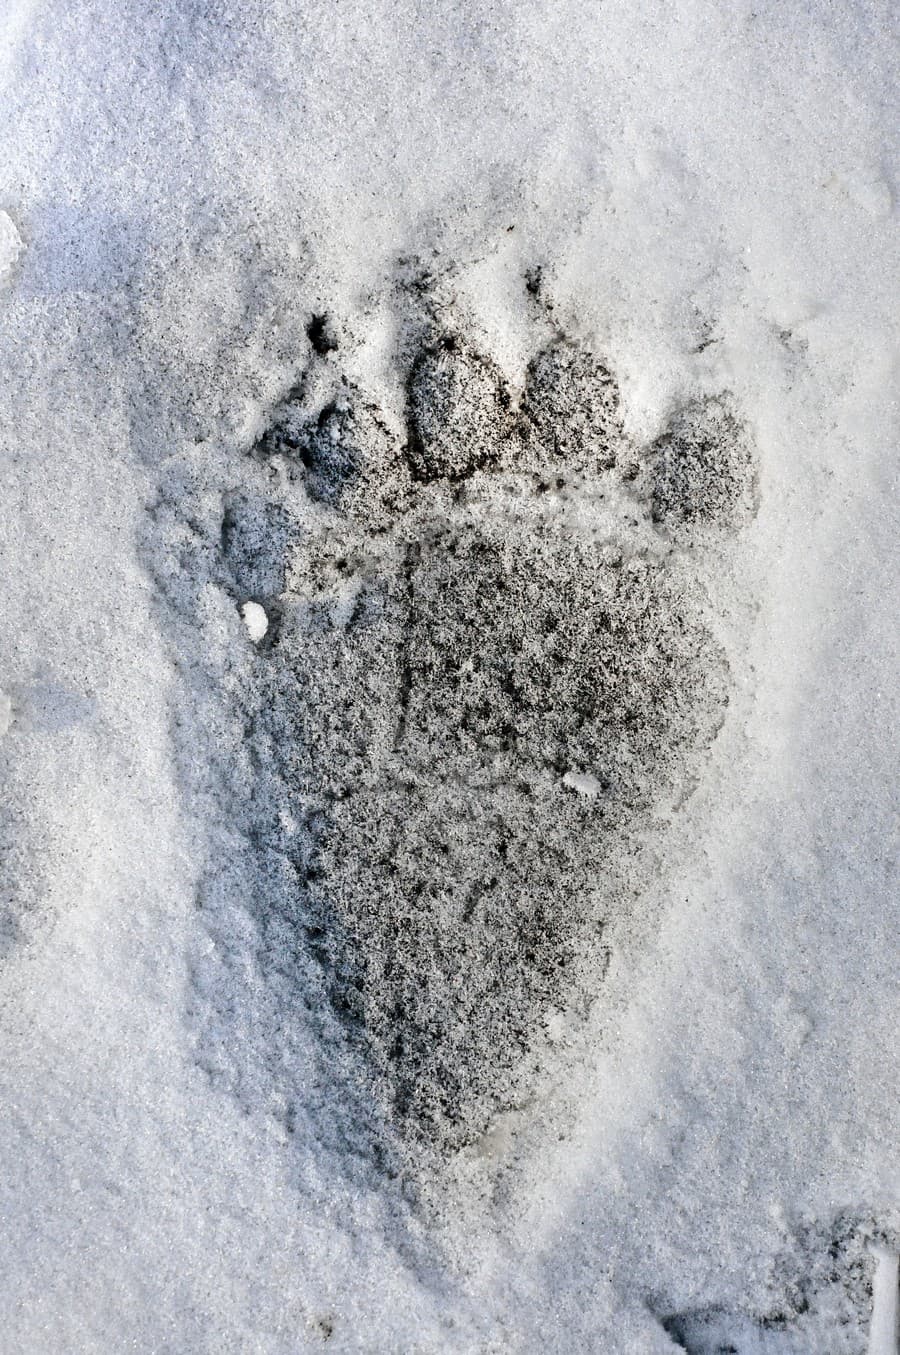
column 703, row 469
column 459, row 413
column 571, row 406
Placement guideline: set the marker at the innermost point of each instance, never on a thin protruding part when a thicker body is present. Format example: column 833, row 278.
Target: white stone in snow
column 255, row 620
column 583, row 783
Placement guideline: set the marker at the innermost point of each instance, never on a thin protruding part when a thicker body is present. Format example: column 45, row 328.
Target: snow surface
column 711, row 194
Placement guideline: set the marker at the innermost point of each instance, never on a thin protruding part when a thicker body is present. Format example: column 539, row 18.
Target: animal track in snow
column 486, row 669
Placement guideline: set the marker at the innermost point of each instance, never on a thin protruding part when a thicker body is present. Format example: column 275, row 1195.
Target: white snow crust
column 711, row 192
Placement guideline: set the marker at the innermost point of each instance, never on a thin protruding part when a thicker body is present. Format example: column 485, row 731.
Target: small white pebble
column 6, row 713
column 583, row 783
column 255, row 620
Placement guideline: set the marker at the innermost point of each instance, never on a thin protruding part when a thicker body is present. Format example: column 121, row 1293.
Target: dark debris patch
column 321, row 334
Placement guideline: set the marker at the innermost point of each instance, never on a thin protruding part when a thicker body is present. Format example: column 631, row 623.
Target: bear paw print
column 488, row 674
